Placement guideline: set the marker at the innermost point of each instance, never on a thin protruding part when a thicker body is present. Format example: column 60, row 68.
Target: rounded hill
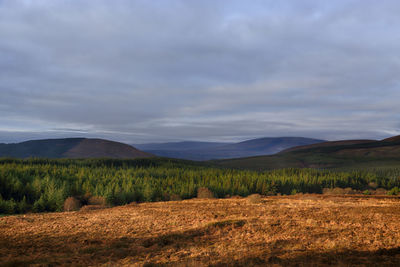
column 71, row 148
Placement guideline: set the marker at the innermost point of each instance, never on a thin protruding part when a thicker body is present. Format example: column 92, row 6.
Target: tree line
column 38, row 185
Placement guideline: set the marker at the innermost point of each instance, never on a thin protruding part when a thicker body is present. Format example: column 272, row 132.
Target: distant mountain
column 346, row 154
column 210, row 150
column 71, row 148
column 179, row 146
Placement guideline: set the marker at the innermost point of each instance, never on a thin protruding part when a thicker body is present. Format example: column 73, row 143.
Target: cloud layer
column 139, row 71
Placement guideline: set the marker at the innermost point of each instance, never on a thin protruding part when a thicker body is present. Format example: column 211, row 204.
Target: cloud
column 140, row 71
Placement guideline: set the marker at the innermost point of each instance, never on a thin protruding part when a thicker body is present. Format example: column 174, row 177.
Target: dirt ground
column 302, row 230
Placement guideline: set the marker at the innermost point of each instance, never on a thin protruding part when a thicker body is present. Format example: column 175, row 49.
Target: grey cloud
column 140, row 71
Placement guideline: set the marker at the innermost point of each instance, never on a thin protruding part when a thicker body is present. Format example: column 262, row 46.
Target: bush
column 339, row 191
column 72, row 204
column 23, row 206
column 349, row 191
column 326, row 191
column 254, row 198
column 174, row 197
column 7, row 206
column 380, row 191
column 394, row 191
column 40, row 205
column 96, row 200
column 366, row 192
column 84, row 199
column 333, row 191
column 204, row 192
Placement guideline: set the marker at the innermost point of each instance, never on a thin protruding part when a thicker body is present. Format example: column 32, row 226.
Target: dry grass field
column 299, row 230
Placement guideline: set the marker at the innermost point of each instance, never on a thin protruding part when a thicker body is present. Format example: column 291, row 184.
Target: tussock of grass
column 204, row 192
column 254, row 198
column 72, row 204
column 97, row 200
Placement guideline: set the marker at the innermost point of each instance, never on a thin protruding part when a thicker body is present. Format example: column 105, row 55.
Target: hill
column 210, row 150
column 328, row 144
column 353, row 154
column 71, row 148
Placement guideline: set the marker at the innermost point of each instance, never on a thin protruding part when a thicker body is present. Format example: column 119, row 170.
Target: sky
column 171, row 70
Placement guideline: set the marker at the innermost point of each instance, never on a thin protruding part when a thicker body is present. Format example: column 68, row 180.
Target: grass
column 286, row 231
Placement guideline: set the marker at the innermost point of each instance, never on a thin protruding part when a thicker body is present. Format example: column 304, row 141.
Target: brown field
column 299, row 230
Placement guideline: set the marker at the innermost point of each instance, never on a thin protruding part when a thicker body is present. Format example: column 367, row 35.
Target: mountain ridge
column 216, row 150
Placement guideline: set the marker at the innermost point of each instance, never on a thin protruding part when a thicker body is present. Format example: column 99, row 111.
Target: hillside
column 210, row 150
column 338, row 154
column 328, row 144
column 71, row 148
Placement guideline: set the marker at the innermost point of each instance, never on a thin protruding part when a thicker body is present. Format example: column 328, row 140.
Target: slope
column 70, row 148
column 330, row 155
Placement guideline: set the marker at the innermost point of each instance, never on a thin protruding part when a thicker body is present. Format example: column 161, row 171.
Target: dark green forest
column 39, row 185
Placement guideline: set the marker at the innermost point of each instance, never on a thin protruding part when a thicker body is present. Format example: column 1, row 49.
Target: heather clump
column 72, row 204
column 254, row 198
column 97, row 200
column 204, row 192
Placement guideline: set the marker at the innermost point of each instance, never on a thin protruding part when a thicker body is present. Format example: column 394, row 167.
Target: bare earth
column 280, row 231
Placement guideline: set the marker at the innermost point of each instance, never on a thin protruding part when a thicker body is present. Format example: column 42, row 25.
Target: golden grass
column 282, row 231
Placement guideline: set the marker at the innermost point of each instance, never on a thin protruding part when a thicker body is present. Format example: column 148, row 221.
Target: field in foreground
column 278, row 230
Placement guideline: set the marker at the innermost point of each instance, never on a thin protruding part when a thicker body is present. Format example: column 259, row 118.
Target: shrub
column 254, row 198
column 7, row 206
column 349, row 191
column 204, row 192
column 40, row 205
column 394, row 191
column 84, row 199
column 328, row 191
column 174, row 197
column 23, row 206
column 72, row 204
column 97, row 200
column 333, row 191
column 373, row 185
column 366, row 192
column 380, row 191
column 339, row 191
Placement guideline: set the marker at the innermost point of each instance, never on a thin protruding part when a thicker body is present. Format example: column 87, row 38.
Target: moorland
column 300, row 230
